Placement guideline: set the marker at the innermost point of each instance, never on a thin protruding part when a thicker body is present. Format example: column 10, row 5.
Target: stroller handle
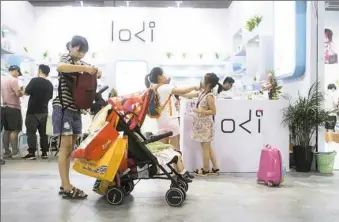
column 158, row 137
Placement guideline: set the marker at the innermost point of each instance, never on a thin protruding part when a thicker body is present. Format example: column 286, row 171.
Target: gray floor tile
column 29, row 193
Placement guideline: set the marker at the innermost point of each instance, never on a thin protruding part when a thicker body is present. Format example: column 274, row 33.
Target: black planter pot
column 303, row 157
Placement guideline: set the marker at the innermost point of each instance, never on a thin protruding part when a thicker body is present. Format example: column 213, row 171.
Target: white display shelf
column 251, row 36
column 5, row 52
column 197, row 63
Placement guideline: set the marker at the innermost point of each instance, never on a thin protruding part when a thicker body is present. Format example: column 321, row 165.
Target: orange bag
column 105, row 168
column 124, row 162
column 97, row 143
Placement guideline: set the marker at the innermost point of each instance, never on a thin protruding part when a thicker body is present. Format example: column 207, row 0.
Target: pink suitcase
column 271, row 170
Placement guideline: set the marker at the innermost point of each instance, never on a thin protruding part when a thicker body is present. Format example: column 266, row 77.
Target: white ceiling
column 157, row 4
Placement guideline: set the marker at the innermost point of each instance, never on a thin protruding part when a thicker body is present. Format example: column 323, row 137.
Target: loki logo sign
column 244, row 124
column 144, row 34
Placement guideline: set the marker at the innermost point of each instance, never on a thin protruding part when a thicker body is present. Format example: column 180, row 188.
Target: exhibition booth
column 270, row 56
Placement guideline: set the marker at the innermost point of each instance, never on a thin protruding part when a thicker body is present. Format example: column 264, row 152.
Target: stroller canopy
column 132, row 108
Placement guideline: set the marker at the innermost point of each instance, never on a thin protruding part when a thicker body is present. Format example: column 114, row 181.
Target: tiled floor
column 29, row 193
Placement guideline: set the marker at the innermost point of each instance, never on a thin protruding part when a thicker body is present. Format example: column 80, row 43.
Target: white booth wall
column 176, row 30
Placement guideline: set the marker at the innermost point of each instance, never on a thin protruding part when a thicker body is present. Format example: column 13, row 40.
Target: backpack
column 83, row 88
column 155, row 108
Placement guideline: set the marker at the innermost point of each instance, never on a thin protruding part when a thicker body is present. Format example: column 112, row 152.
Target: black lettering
column 129, row 35
column 259, row 113
column 151, row 25
column 138, row 33
column 228, row 131
column 259, row 125
column 247, row 121
column 112, row 31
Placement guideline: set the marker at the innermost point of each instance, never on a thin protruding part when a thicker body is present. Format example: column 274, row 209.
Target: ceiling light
column 127, row 3
column 178, row 3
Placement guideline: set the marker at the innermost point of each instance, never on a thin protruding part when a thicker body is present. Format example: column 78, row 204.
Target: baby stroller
column 142, row 164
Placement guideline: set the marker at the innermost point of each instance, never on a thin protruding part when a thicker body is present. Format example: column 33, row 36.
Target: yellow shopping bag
column 101, row 186
column 107, row 166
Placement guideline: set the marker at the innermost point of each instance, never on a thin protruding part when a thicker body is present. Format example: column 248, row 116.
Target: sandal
column 74, row 193
column 201, row 172
column 61, row 190
column 214, row 171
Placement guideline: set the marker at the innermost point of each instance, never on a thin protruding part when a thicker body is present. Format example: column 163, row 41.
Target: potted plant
column 257, row 20
column 169, row 54
column 45, row 54
column 303, row 116
column 271, row 85
column 250, row 25
column 253, row 22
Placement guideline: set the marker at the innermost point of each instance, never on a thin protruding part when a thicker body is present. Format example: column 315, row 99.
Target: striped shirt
column 66, row 92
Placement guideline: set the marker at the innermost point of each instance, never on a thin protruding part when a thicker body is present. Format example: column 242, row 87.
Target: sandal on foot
column 201, row 172
column 74, row 193
column 61, row 190
column 215, row 171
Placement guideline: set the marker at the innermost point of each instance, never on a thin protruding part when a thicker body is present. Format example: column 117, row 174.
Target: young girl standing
column 203, row 123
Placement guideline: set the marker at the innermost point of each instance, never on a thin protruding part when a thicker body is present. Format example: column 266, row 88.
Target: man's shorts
column 11, row 119
column 66, row 123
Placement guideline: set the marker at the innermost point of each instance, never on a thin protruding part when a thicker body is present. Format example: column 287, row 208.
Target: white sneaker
column 17, row 155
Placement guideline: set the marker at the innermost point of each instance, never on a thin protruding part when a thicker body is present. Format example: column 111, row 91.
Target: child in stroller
column 147, row 159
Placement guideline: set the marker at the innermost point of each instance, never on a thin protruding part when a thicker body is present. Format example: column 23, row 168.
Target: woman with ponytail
column 203, row 122
column 168, row 119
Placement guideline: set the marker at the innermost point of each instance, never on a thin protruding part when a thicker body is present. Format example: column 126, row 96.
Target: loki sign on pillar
column 145, row 32
column 229, row 125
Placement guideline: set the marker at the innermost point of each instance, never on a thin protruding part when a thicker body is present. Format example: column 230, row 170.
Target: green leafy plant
column 250, row 25
column 184, row 54
column 45, row 54
column 253, row 22
column 217, row 55
column 169, row 54
column 257, row 20
column 271, row 85
column 305, row 115
column 25, row 48
column 255, row 79
column 201, row 55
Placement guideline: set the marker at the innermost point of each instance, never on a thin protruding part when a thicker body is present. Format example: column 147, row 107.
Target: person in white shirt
column 331, row 103
column 168, row 120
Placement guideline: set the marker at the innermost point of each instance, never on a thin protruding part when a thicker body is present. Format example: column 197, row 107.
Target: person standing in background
column 40, row 91
column 203, row 123
column 11, row 117
column 168, row 119
column 228, row 83
column 331, row 103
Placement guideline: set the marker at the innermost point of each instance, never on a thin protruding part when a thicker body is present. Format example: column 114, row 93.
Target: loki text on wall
column 144, row 34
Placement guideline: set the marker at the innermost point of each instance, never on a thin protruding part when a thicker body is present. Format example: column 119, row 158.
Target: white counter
column 237, row 149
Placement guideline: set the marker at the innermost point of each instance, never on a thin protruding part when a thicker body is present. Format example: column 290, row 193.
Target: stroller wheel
column 184, row 192
column 270, row 184
column 182, row 184
column 175, row 197
column 115, row 196
column 128, row 187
